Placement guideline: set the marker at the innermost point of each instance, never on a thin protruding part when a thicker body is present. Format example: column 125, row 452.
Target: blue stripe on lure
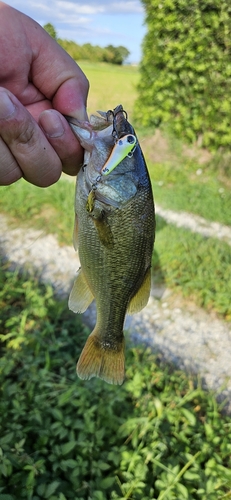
column 123, row 147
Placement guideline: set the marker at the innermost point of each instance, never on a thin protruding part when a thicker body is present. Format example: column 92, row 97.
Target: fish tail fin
column 96, row 360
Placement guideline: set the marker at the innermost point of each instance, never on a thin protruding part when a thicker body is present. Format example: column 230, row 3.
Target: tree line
column 89, row 52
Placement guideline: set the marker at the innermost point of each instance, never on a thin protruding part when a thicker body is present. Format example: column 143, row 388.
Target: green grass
column 159, row 436
column 49, row 209
column 110, row 85
column 181, row 183
column 179, row 187
column 197, row 267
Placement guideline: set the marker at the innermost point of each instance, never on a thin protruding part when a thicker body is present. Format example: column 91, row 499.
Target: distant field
column 110, row 85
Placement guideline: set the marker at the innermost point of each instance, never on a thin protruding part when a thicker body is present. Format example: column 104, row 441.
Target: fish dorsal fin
column 81, row 295
column 140, row 299
column 75, row 233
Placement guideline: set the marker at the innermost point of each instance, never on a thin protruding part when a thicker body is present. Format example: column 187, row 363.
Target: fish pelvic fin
column 81, row 295
column 98, row 360
column 140, row 299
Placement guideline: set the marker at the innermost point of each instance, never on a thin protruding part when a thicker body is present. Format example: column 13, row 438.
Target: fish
column 114, row 234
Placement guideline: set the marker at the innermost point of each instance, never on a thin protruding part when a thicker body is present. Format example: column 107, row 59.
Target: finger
column 70, row 100
column 68, row 88
column 29, row 150
column 56, row 74
column 9, row 169
column 62, row 139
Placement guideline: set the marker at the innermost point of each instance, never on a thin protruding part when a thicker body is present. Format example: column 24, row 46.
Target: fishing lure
column 123, row 147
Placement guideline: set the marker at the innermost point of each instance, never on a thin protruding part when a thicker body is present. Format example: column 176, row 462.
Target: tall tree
column 51, row 30
column 116, row 55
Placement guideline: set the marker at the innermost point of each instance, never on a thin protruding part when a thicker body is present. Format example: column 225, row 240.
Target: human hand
column 39, row 83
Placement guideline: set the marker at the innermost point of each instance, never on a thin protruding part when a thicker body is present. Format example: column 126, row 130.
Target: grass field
column 110, row 85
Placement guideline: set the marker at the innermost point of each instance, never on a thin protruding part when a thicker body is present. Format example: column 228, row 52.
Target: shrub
column 186, row 70
column 158, row 436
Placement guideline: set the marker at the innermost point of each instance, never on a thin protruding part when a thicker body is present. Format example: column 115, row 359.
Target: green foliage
column 186, row 70
column 51, row 30
column 89, row 52
column 198, row 267
column 116, row 55
column 158, row 436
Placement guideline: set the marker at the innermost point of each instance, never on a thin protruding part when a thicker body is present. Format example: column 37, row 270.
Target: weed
column 158, row 436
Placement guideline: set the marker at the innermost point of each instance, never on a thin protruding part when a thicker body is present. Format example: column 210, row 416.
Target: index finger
column 25, row 149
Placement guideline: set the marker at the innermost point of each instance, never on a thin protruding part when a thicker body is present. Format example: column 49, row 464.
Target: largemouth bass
column 114, row 234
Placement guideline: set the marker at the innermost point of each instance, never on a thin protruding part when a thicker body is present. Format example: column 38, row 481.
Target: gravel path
column 183, row 333
column 196, row 224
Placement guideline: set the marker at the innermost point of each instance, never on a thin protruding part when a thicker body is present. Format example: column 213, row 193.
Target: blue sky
column 100, row 22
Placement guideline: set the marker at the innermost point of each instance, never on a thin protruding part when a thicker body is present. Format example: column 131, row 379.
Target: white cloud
column 89, row 8
column 76, row 8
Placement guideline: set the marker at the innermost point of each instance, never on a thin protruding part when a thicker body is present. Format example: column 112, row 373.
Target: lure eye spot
column 131, row 139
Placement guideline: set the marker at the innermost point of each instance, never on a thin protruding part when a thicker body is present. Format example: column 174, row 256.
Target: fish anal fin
column 81, row 295
column 75, row 233
column 140, row 299
column 96, row 360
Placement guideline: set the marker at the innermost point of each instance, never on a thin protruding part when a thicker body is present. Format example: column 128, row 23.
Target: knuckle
column 25, row 134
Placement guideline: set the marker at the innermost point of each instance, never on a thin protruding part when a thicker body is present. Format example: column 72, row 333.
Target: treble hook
column 115, row 113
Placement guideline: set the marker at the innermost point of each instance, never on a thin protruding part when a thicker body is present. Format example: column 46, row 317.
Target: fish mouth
column 121, row 126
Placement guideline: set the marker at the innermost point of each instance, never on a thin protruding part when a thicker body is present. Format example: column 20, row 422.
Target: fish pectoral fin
column 75, row 233
column 104, row 231
column 140, row 299
column 98, row 360
column 81, row 295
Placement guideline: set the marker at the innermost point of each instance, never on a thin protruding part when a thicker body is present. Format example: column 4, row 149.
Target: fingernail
column 82, row 114
column 7, row 108
column 51, row 123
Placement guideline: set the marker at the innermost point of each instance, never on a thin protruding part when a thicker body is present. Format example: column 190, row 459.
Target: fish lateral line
column 123, row 147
